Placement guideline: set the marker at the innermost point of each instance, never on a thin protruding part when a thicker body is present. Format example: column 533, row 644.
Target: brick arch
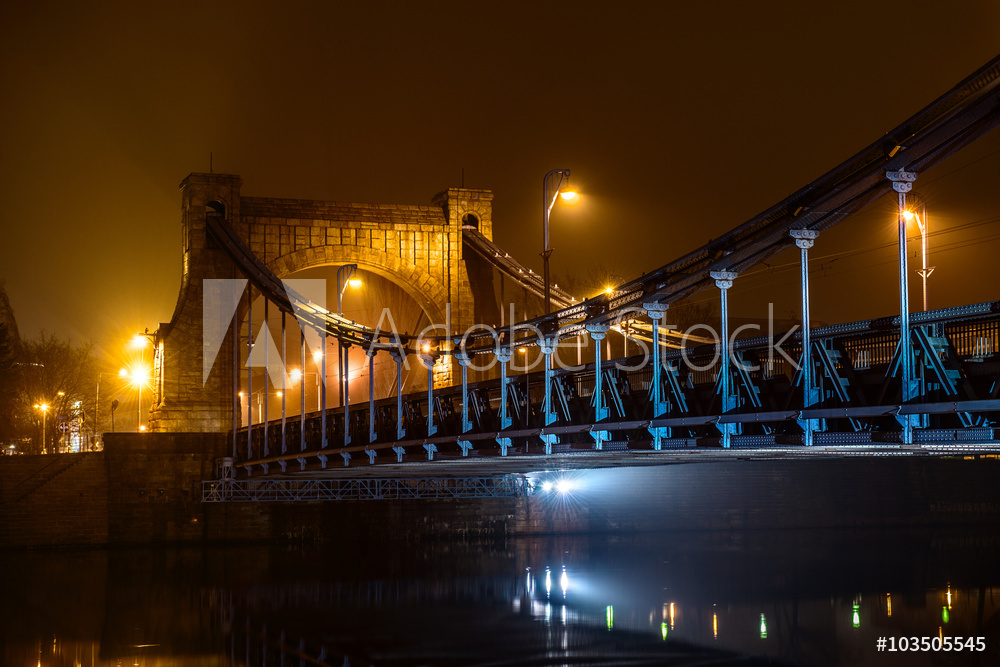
column 429, row 293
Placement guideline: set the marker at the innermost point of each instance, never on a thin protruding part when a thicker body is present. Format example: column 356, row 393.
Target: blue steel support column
column 322, row 392
column 463, row 360
column 428, row 360
column 346, row 389
column 284, row 386
column 397, row 356
column 503, row 355
column 902, row 182
column 804, row 239
column 655, row 311
column 236, row 382
column 597, row 333
column 724, row 280
column 372, row 436
column 249, row 372
column 267, row 369
column 302, row 390
column 548, row 346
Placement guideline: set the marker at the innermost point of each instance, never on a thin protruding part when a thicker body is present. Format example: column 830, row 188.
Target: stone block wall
column 185, row 399
column 53, row 500
column 417, row 247
column 400, row 521
column 154, row 485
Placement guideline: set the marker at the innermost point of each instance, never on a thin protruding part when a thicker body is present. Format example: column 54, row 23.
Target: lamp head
column 570, row 197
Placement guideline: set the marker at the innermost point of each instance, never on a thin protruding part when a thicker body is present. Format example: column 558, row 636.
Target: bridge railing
column 858, row 393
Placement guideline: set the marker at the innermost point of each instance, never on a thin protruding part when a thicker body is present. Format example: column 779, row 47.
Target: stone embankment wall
column 53, row 500
column 146, row 488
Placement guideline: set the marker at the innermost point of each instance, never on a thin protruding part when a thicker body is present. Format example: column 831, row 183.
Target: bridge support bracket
column 399, row 453
column 465, row 446
column 658, row 433
column 322, row 461
column 431, row 448
column 371, row 456
column 347, row 458
column 600, row 437
column 504, row 445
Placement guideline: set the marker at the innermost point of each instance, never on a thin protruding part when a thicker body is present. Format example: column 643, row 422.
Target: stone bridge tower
column 418, row 248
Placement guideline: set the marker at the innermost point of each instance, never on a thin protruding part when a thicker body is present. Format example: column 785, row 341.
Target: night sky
column 678, row 120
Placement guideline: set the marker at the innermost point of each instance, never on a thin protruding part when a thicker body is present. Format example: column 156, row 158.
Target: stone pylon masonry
column 417, row 247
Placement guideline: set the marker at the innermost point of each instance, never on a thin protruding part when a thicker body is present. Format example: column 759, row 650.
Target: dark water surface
column 789, row 597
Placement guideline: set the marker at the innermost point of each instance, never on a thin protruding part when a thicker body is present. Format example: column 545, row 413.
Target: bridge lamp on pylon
column 555, row 187
column 920, row 218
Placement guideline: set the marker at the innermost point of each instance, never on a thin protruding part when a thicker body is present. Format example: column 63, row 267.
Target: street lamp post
column 551, row 190
column 140, row 373
column 44, row 407
column 297, row 376
column 137, row 376
column 344, row 278
column 925, row 271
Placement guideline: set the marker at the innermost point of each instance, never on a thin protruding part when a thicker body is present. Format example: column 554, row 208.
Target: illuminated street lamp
column 296, row 376
column 552, row 191
column 136, row 377
column 262, row 397
column 925, row 271
column 345, row 279
column 140, row 373
column 44, row 407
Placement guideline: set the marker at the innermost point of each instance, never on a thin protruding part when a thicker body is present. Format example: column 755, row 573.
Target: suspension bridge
column 909, row 383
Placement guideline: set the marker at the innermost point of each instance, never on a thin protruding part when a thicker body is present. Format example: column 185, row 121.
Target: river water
column 685, row 598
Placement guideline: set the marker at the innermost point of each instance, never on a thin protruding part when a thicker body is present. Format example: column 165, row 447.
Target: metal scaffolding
column 233, row 490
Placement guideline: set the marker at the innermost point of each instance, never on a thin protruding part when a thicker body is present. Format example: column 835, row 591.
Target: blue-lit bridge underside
column 928, row 378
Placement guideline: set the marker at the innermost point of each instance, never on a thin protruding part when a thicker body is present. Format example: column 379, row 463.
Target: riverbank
column 146, row 489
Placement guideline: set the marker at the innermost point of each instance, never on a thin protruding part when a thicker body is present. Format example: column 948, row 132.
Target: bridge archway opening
column 216, row 209
column 378, row 302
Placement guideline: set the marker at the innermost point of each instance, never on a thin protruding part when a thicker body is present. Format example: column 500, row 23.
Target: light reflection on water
column 821, row 598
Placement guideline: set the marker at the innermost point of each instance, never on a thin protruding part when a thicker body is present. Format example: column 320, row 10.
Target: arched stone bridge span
column 418, row 248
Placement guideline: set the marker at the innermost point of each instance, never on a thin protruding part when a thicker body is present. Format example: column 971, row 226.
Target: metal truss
column 398, row 488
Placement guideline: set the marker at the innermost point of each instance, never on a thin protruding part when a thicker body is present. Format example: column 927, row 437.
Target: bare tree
column 55, row 373
column 10, row 342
